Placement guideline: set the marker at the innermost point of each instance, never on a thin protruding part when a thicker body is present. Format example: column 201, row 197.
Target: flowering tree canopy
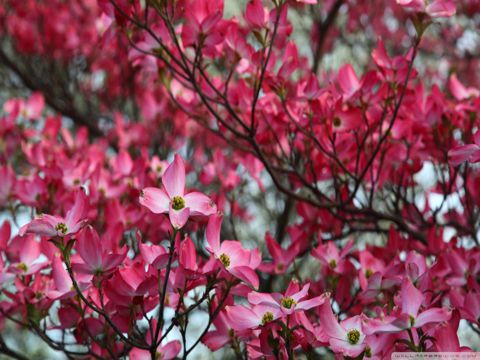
column 179, row 177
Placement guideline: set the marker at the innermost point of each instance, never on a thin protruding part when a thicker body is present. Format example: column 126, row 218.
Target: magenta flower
column 468, row 152
column 281, row 258
column 411, row 299
column 346, row 337
column 289, row 302
column 434, row 9
column 243, row 318
column 53, row 225
column 237, row 260
column 172, row 199
column 95, row 259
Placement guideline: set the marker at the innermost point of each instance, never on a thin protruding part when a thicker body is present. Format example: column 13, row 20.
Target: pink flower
column 29, row 109
column 434, row 9
column 469, row 152
column 289, row 302
column 27, row 255
column 172, row 199
column 243, row 318
column 281, row 258
column 411, row 299
column 237, row 260
column 346, row 337
column 330, row 256
column 52, row 225
column 96, row 260
column 459, row 91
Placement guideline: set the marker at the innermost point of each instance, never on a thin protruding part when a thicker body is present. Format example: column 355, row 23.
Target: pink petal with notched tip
column 154, row 199
column 178, row 218
column 199, row 204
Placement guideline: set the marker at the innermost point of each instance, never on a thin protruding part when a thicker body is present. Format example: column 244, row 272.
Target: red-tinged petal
column 82, row 268
column 174, row 177
column 154, row 199
column 78, row 211
column 300, row 294
column 161, row 261
column 139, row 354
column 274, row 248
column 89, row 248
column 329, row 323
column 311, row 303
column 348, row 80
column 345, row 348
column 39, row 227
column 5, row 232
column 411, row 298
column 213, row 233
column 441, row 8
column 246, row 274
column 242, row 318
column 187, row 254
column 150, row 253
column 457, row 89
column 215, row 340
column 123, row 163
column 171, row 350
column 200, row 204
column 112, row 261
column 30, row 250
column 255, row 14
column 257, row 298
column 462, row 153
column 179, row 218
column 434, row 315
column 62, row 280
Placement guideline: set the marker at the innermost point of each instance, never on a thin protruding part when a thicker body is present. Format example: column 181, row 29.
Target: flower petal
column 200, row 204
column 174, row 177
column 154, row 199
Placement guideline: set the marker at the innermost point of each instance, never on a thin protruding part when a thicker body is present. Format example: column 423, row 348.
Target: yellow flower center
column 368, row 352
column 288, row 302
column 62, row 228
column 224, row 259
column 353, row 336
column 368, row 273
column 178, row 203
column 22, row 266
column 267, row 317
column 412, row 320
column 333, row 263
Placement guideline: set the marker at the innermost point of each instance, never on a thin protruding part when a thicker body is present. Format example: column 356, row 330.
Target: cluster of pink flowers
column 115, row 241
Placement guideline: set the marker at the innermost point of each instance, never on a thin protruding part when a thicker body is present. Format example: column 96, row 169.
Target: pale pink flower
column 171, row 198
